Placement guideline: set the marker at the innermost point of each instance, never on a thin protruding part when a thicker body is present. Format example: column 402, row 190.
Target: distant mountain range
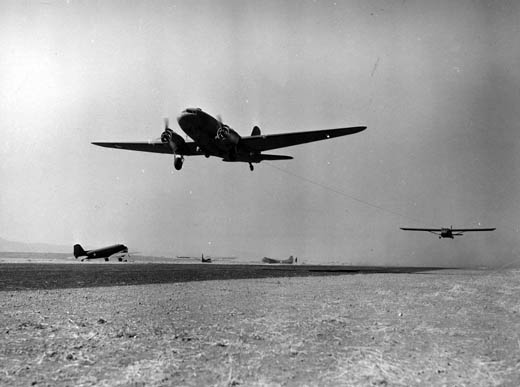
column 23, row 247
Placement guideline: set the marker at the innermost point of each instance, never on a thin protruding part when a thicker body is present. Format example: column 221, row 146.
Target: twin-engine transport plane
column 447, row 232
column 211, row 137
column 115, row 251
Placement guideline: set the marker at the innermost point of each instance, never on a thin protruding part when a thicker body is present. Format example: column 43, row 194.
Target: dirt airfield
column 443, row 327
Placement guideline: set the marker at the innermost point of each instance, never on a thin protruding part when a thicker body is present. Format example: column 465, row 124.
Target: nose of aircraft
column 188, row 118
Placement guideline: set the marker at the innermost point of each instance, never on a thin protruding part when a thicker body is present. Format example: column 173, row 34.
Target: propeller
column 224, row 132
column 167, row 134
column 221, row 131
column 166, row 126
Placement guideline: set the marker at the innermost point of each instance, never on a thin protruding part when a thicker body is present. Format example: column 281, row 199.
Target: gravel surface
column 437, row 328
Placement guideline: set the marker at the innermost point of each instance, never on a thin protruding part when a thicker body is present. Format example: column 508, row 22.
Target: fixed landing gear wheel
column 251, row 167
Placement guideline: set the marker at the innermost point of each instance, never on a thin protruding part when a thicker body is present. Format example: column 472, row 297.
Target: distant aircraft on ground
column 447, row 232
column 116, row 251
column 211, row 137
column 288, row 261
column 206, row 259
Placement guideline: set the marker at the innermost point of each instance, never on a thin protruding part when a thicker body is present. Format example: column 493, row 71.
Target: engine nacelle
column 225, row 133
column 177, row 162
column 174, row 141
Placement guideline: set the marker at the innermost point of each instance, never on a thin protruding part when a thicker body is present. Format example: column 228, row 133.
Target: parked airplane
column 288, row 261
column 446, row 232
column 119, row 251
column 206, row 259
column 211, row 137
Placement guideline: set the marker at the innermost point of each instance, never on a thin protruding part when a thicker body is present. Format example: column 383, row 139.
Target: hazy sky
column 437, row 84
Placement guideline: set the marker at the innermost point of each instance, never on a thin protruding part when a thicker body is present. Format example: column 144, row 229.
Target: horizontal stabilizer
column 274, row 157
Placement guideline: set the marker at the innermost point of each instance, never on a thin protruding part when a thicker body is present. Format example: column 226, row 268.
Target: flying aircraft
column 118, row 251
column 447, row 232
column 288, row 261
column 211, row 137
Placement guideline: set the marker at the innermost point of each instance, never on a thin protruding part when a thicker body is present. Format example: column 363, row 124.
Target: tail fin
column 78, row 251
column 256, row 131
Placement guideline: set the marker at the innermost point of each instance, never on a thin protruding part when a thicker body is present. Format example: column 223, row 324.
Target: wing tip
column 108, row 145
column 355, row 129
column 103, row 144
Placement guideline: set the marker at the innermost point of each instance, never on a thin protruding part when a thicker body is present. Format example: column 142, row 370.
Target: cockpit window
column 192, row 110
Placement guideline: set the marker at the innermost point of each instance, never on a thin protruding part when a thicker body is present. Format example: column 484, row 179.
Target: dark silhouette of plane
column 447, row 232
column 207, row 259
column 211, row 137
column 288, row 261
column 105, row 253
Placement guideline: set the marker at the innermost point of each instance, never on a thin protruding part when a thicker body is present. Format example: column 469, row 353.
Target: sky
column 436, row 83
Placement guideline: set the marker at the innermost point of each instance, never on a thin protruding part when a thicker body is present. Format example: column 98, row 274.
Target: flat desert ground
column 432, row 327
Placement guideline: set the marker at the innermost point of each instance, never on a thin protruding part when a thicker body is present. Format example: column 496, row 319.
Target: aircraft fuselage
column 446, row 233
column 212, row 136
column 104, row 252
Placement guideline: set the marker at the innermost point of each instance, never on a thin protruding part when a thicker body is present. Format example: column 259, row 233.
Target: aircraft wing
column 472, row 229
column 189, row 148
column 274, row 141
column 422, row 229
